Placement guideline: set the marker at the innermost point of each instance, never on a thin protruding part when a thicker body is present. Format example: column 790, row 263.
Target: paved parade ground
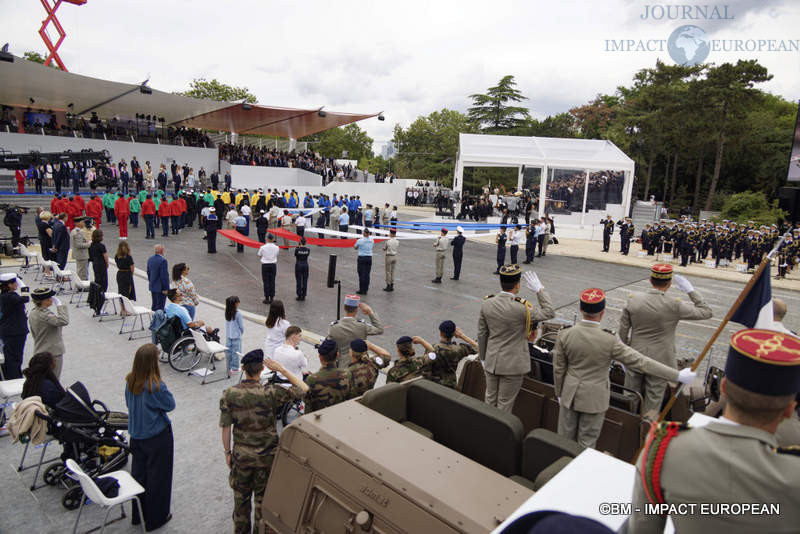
column 202, row 500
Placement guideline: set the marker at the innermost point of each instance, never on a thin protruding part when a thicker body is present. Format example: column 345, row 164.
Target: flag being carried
column 755, row 311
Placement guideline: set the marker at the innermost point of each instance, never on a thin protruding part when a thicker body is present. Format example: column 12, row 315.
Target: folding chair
column 129, row 490
column 138, row 313
column 112, row 298
column 8, row 389
column 81, row 287
column 49, row 272
column 62, row 279
column 211, row 348
column 31, row 258
column 41, row 264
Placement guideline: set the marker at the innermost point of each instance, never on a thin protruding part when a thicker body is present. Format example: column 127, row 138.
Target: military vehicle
column 410, row 457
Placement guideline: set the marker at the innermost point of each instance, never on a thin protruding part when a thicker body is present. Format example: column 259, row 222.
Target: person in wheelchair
column 173, row 308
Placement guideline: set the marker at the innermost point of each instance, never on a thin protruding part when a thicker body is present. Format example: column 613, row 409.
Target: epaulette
column 521, row 300
column 487, row 297
column 677, row 299
column 360, row 320
column 652, row 457
column 612, row 332
column 794, row 450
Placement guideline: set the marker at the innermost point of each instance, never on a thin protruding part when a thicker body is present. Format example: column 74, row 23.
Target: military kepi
column 593, row 300
column 764, row 361
column 351, row 300
column 510, row 272
column 661, row 271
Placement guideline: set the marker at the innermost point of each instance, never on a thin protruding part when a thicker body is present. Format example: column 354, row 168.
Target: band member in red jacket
column 164, row 212
column 149, row 214
column 121, row 211
column 55, row 202
column 72, row 211
column 78, row 202
column 94, row 209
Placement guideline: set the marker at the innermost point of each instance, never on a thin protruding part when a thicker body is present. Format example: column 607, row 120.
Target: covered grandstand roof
column 55, row 89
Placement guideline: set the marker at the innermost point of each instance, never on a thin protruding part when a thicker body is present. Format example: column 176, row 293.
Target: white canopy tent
column 546, row 154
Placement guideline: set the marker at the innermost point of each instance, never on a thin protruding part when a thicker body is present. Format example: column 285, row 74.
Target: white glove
column 56, row 302
column 532, row 281
column 686, row 375
column 683, row 284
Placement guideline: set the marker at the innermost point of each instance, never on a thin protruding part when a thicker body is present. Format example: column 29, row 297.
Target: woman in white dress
column 276, row 328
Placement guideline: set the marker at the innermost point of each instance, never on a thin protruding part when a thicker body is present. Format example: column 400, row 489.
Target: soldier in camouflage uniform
column 330, row 385
column 449, row 353
column 363, row 368
column 251, row 409
column 409, row 366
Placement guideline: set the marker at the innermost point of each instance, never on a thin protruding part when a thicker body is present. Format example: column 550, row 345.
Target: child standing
column 234, row 328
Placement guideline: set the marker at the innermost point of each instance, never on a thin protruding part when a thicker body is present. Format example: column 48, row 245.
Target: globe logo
column 688, row 45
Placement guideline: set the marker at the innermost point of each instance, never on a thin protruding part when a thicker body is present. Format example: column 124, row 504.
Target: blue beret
column 404, row 339
column 447, row 328
column 328, row 346
column 253, row 356
column 358, row 345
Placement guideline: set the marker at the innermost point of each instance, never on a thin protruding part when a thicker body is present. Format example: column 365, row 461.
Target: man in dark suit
column 158, row 277
column 60, row 241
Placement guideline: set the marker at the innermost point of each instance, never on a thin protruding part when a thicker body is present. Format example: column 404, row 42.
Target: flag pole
column 746, row 291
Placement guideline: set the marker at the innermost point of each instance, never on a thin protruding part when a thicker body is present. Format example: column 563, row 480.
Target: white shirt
column 268, row 253
column 300, row 221
column 275, row 337
column 245, row 210
column 292, row 359
column 516, row 237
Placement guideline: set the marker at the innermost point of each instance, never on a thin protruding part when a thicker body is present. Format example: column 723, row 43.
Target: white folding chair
column 138, row 313
column 81, row 288
column 62, row 279
column 49, row 272
column 8, row 390
column 112, row 298
column 211, row 348
column 129, row 490
column 42, row 267
column 31, row 258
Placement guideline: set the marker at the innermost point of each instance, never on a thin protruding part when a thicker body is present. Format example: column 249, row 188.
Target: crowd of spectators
column 567, row 190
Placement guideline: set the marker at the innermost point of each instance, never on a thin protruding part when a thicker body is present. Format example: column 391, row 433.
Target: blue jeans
column 233, row 346
column 191, row 309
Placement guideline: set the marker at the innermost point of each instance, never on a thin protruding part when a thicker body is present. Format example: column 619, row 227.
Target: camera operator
column 13, row 219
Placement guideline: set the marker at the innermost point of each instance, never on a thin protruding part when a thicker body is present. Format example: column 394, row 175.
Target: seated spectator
column 409, row 366
column 189, row 298
column 291, row 357
column 173, row 308
column 40, row 380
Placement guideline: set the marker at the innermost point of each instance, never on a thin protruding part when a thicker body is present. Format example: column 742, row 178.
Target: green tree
column 36, row 57
column 728, row 89
column 593, row 120
column 491, row 110
column 752, row 206
column 427, row 149
column 561, row 125
column 216, row 90
column 351, row 138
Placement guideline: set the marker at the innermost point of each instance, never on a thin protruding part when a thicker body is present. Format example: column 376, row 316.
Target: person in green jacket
column 135, row 207
column 142, row 196
column 108, row 203
column 157, row 201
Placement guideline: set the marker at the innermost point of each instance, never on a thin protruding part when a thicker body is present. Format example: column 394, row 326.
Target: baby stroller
column 90, row 434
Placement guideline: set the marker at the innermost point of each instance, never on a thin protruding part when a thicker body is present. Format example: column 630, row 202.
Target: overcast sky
column 405, row 58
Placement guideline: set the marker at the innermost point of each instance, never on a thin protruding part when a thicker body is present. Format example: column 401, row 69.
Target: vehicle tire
column 183, row 355
column 72, row 498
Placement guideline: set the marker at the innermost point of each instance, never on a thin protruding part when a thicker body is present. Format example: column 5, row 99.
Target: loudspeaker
column 331, row 269
column 789, row 201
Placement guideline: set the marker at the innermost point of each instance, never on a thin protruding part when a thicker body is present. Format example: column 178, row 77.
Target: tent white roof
column 477, row 150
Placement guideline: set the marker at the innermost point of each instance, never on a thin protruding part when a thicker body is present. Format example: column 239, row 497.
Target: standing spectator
column 13, row 325
column 80, row 248
column 148, row 176
column 125, row 270
column 46, row 325
column 148, row 401
column 60, row 250
column 228, row 180
column 121, row 211
column 250, row 409
column 189, row 298
column 149, row 214
column 158, row 277
column 277, row 325
column 364, row 247
column 13, row 219
column 99, row 258
column 301, row 254
column 268, row 254
column 45, row 233
column 234, row 329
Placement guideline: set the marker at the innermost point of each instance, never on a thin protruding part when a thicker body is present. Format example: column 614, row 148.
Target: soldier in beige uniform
column 80, row 248
column 581, row 359
column 440, row 245
column 505, row 325
column 648, row 325
column 349, row 328
column 390, row 246
column 709, row 472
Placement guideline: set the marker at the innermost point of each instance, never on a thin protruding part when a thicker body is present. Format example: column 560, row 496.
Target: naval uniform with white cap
column 458, row 252
column 13, row 324
column 349, row 328
column 211, row 230
column 505, row 324
column 730, row 475
column 582, row 356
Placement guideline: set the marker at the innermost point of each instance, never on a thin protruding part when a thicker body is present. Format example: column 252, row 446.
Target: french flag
column 756, row 309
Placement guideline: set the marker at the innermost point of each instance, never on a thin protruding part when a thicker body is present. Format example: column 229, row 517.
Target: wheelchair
column 179, row 345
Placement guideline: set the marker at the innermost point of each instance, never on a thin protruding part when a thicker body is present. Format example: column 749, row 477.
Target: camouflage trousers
column 246, row 483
